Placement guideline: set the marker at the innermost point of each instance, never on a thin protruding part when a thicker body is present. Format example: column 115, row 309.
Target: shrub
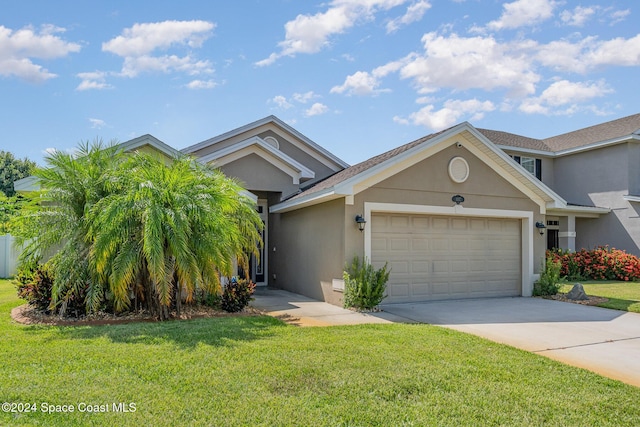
column 25, row 272
column 237, row 295
column 37, row 292
column 601, row 263
column 364, row 286
column 549, row 282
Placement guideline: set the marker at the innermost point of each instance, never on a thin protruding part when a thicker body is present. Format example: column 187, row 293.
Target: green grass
column 259, row 371
column 623, row 296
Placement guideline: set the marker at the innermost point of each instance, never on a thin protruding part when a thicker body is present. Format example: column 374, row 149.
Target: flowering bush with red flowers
column 601, row 263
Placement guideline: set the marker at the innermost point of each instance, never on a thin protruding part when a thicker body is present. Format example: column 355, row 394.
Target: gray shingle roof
column 599, row 133
column 513, row 140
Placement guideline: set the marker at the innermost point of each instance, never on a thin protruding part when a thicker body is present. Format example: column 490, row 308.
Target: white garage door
column 438, row 257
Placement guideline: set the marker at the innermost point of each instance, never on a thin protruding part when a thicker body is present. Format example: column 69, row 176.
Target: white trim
column 567, row 234
column 152, row 141
column 568, row 151
column 311, row 199
column 260, row 147
column 452, row 172
column 628, row 198
column 526, row 218
column 595, row 145
column 518, row 150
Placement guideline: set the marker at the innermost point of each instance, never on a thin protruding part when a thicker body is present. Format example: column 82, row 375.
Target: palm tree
column 56, row 223
column 167, row 230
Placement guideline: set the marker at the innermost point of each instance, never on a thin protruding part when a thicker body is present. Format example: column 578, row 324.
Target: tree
column 11, row 170
column 57, row 223
column 10, row 208
column 129, row 228
column 168, row 230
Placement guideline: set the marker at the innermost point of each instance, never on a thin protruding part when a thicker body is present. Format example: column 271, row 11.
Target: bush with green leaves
column 237, row 295
column 550, row 280
column 37, row 291
column 364, row 286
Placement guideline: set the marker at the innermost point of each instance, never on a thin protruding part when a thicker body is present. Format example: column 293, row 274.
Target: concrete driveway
column 601, row 340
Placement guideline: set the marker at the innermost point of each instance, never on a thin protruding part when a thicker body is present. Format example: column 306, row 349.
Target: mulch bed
column 27, row 315
column 590, row 301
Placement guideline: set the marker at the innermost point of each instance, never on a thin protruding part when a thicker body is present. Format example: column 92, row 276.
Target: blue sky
column 356, row 76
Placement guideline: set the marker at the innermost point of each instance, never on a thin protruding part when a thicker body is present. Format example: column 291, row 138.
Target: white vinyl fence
column 8, row 256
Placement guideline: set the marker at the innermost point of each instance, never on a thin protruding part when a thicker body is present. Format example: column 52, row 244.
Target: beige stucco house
column 461, row 213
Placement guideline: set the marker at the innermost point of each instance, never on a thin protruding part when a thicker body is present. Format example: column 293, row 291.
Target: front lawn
column 259, row 371
column 622, row 295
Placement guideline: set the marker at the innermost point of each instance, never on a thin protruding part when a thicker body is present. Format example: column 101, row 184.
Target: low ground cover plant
column 601, row 263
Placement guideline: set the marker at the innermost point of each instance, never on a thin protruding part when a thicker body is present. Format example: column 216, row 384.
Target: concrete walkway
column 601, row 340
column 303, row 311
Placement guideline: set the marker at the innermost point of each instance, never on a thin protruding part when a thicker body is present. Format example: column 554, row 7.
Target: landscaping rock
column 577, row 293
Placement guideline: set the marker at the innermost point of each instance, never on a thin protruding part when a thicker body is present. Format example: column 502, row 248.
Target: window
column 531, row 164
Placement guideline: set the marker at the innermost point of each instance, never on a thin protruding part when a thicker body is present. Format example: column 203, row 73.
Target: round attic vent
column 458, row 170
column 271, row 140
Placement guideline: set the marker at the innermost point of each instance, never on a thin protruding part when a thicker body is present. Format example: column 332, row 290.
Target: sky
column 358, row 77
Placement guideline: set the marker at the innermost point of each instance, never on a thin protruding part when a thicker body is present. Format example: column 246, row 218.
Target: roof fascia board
column 540, row 153
column 579, row 211
column 151, row 141
column 628, row 198
column 596, row 145
column 311, row 199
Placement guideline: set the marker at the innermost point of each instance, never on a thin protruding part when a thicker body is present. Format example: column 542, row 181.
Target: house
column 461, row 213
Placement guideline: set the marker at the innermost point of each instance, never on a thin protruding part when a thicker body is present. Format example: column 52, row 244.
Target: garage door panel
column 435, row 258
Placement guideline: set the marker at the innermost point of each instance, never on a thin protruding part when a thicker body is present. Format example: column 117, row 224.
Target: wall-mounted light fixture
column 361, row 222
column 540, row 226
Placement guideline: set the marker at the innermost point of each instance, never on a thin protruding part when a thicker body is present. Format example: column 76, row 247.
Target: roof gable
column 279, row 127
column 366, row 174
column 266, row 151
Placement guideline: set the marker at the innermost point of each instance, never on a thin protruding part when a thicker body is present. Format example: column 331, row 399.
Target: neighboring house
column 461, row 213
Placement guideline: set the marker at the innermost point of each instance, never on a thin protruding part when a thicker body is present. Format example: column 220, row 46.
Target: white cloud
column 619, row 15
column 201, row 84
column 97, row 123
column 142, row 39
column 311, row 33
column 449, row 115
column 93, row 80
column 19, row 48
column 363, row 83
column 471, row 63
column 360, row 83
column 414, row 13
column 564, row 96
column 522, row 13
column 316, row 110
column 303, row 98
column 168, row 63
column 138, row 44
column 589, row 53
column 578, row 16
column 281, row 102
